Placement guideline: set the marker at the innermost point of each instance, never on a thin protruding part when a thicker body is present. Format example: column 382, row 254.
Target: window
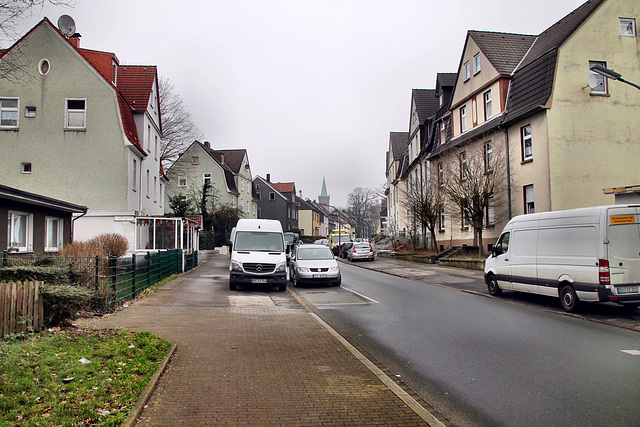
column 628, row 27
column 441, row 99
column 441, row 174
column 259, row 196
column 443, row 133
column 476, row 63
column 502, row 247
column 241, row 184
column 488, row 110
column 491, row 210
column 44, row 66
column 441, row 221
column 464, row 219
column 53, row 233
column 463, row 118
column 75, row 114
column 155, row 188
column 20, row 231
column 148, row 184
column 182, row 180
column 156, row 147
column 272, row 196
column 206, row 178
column 466, row 71
column 148, row 141
column 488, row 156
column 9, row 112
column 529, row 205
column 527, row 149
column 195, row 160
column 464, row 169
column 30, row 111
column 135, row 174
column 601, row 87
column 25, row 167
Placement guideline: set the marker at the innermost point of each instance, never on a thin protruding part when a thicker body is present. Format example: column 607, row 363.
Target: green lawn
column 43, row 381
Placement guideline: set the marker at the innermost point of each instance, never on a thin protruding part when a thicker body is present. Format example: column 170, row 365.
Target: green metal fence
column 114, row 280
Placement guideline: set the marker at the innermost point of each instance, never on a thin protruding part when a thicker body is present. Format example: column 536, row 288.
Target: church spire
column 324, row 196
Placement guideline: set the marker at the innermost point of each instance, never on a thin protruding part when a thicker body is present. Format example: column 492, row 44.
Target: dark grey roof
column 503, row 50
column 445, row 79
column 554, row 36
column 398, row 141
column 426, row 103
column 15, row 194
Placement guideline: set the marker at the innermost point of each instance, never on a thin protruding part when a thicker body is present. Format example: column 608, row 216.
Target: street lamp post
column 599, row 69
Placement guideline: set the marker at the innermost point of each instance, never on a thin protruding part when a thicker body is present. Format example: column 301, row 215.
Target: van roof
column 592, row 211
column 245, row 224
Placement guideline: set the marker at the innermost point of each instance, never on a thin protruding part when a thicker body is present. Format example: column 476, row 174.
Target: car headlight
column 303, row 270
column 334, row 269
column 281, row 267
column 236, row 266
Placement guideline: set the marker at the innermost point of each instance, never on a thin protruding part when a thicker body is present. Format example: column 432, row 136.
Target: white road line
column 632, row 352
column 360, row 295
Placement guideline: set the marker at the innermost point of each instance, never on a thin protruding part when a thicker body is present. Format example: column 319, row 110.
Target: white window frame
column 491, row 210
column 28, row 247
column 464, row 171
column 466, row 71
column 477, row 67
column 488, row 156
column 26, row 167
column 58, row 224
column 529, row 200
column 527, row 141
column 15, row 110
column 155, row 189
column 440, row 174
column 148, row 185
column 463, row 118
column 272, row 196
column 68, row 110
column 488, row 105
column 207, row 177
column 443, row 132
column 442, row 221
column 182, row 180
column 135, row 175
column 627, row 27
column 602, row 88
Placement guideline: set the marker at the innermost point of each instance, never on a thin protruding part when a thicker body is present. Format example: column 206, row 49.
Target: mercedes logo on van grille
column 259, row 268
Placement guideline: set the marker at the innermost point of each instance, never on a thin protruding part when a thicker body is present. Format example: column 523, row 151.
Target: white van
column 589, row 254
column 258, row 254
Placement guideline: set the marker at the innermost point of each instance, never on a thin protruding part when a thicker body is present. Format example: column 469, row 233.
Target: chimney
column 75, row 40
column 268, row 177
column 207, row 144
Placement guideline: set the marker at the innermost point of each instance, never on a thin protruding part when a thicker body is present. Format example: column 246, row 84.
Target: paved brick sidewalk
column 253, row 358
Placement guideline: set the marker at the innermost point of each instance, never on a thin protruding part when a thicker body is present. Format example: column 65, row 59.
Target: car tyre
column 233, row 286
column 337, row 282
column 493, row 287
column 569, row 299
column 282, row 287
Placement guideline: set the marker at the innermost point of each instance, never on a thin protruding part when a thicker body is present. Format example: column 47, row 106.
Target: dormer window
column 114, row 72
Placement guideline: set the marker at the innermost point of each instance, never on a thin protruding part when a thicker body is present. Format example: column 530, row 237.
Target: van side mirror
column 495, row 251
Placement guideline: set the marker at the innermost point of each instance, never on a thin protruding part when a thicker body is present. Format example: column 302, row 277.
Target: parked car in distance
column 360, row 251
column 322, row 242
column 315, row 264
column 343, row 248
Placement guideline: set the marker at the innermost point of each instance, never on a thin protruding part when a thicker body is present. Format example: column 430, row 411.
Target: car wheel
column 569, row 299
column 282, row 287
column 631, row 306
column 337, row 282
column 492, row 284
column 233, row 286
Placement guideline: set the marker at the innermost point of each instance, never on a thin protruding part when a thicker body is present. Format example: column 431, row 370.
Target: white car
column 315, row 264
column 360, row 251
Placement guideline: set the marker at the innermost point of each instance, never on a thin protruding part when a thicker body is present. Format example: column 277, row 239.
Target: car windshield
column 343, row 238
column 314, row 253
column 259, row 241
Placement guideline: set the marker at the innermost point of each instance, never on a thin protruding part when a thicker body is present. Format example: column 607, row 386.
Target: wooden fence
column 20, row 307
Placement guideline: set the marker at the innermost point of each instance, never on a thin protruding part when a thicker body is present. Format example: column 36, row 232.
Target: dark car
column 344, row 248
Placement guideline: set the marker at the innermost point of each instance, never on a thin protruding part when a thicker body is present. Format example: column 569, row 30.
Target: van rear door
column 624, row 248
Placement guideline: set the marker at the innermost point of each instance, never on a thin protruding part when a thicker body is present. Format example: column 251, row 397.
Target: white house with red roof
column 77, row 125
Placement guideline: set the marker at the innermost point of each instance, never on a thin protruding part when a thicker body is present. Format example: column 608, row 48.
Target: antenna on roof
column 66, row 25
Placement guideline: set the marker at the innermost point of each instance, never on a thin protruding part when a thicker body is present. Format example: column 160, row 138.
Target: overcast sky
column 310, row 88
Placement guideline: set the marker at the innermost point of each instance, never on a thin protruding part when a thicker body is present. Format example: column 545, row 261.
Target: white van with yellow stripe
column 579, row 255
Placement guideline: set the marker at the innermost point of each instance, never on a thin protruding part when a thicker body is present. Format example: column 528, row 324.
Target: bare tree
column 424, row 200
column 364, row 208
column 13, row 68
column 178, row 130
column 472, row 187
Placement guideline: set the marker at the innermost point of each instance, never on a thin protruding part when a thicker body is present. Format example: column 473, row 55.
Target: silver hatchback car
column 360, row 251
column 314, row 264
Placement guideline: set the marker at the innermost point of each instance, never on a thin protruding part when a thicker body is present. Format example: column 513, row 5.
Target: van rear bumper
column 606, row 295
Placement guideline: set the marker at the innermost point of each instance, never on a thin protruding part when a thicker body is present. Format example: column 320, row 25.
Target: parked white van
column 589, row 254
column 258, row 254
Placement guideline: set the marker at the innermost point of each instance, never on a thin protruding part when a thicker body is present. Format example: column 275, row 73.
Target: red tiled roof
column 101, row 61
column 284, row 187
column 135, row 82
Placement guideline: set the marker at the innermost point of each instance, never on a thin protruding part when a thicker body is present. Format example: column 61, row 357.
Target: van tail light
column 603, row 272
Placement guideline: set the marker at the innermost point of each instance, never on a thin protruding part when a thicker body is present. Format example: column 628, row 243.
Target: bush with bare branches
column 111, row 244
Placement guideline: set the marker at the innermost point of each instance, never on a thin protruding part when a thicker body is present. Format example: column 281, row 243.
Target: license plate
column 628, row 290
column 319, row 276
column 258, row 280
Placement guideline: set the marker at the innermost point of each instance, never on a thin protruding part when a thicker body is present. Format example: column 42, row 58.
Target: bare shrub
column 83, row 249
column 111, row 244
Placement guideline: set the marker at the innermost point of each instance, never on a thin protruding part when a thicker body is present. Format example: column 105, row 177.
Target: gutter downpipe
column 73, row 220
column 506, row 137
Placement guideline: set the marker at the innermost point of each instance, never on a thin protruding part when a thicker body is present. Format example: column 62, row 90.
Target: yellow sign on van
column 623, row 219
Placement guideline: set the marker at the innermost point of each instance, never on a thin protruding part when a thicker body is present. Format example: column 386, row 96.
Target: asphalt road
column 488, row 361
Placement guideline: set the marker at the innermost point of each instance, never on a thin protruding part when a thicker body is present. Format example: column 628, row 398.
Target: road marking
column 632, row 352
column 361, row 296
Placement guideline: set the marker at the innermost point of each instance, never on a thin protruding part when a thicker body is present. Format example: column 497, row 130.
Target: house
column 33, row 223
column 227, row 171
column 310, row 218
column 77, row 125
column 277, row 200
column 396, row 213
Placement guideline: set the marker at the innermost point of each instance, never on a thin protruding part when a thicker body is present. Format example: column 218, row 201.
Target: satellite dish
column 592, row 80
column 66, row 25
